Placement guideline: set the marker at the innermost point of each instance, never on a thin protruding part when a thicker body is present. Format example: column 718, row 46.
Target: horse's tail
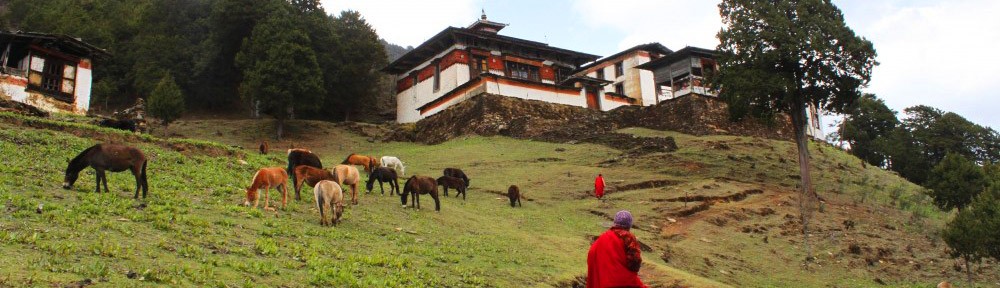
column 319, row 203
column 145, row 182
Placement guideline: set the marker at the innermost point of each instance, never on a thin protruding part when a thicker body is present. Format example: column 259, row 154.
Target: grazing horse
column 514, row 194
column 383, row 174
column 417, row 185
column 457, row 173
column 364, row 161
column 298, row 156
column 452, row 182
column 310, row 175
column 109, row 157
column 264, row 147
column 395, row 164
column 267, row 178
column 331, row 197
column 348, row 175
column 127, row 125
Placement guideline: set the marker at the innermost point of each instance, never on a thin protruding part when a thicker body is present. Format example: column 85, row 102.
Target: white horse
column 394, row 163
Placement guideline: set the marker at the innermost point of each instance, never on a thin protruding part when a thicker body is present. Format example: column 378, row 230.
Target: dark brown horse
column 109, row 157
column 514, row 194
column 417, row 185
column 264, row 147
column 383, row 174
column 457, row 173
column 310, row 175
column 452, row 182
column 298, row 156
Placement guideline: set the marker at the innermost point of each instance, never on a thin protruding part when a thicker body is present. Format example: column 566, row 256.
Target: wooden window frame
column 53, row 77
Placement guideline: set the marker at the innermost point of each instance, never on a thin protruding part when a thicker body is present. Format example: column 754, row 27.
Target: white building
column 51, row 72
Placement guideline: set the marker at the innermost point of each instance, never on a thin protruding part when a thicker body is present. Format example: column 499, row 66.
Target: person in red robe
column 614, row 258
column 599, row 186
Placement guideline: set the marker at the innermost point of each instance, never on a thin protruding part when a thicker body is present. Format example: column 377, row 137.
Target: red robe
column 608, row 260
column 599, row 187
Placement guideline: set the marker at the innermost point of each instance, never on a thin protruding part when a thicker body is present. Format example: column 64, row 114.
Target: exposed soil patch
column 21, row 108
column 728, row 198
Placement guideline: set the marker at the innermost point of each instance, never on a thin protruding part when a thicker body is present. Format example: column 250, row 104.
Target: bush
column 166, row 102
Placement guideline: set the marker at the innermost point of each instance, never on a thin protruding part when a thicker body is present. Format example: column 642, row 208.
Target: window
column 619, row 69
column 479, row 65
column 600, row 73
column 522, row 71
column 620, row 89
column 54, row 76
column 437, row 77
column 562, row 74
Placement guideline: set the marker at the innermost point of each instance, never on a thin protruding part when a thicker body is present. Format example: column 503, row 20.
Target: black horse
column 298, row 157
column 452, row 182
column 383, row 174
column 457, row 173
column 127, row 125
column 514, row 194
column 109, row 157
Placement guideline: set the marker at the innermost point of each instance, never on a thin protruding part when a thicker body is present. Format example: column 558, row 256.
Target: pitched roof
column 676, row 56
column 75, row 45
column 446, row 38
column 649, row 47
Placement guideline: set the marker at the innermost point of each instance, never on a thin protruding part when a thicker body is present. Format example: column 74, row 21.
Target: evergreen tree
column 361, row 56
column 784, row 55
column 280, row 72
column 867, row 128
column 955, row 182
column 974, row 233
column 166, row 102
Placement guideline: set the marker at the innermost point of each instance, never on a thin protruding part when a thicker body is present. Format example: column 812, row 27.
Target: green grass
column 192, row 231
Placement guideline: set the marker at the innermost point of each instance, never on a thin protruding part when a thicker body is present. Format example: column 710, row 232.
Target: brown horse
column 514, row 194
column 364, row 161
column 457, row 173
column 331, row 197
column 348, row 175
column 310, row 175
column 267, row 178
column 109, row 157
column 298, row 156
column 452, row 182
column 417, row 185
column 264, row 147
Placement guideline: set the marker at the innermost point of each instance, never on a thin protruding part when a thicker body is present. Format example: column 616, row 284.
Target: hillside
column 717, row 212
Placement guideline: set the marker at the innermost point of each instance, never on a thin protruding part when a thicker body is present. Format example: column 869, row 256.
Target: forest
column 222, row 54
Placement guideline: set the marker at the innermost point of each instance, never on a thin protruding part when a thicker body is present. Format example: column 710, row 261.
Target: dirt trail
column 694, row 214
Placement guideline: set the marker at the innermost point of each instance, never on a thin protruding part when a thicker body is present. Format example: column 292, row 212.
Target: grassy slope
column 192, row 232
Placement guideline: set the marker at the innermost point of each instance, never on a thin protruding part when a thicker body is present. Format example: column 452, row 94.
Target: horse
column 127, row 125
column 395, row 164
column 452, row 182
column 267, row 178
column 383, row 174
column 331, row 197
column 109, row 157
column 457, row 173
column 310, row 175
column 264, row 147
column 346, row 174
column 417, row 185
column 298, row 156
column 514, row 194
column 364, row 161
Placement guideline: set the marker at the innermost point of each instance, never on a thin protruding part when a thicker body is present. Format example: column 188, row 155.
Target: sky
column 937, row 53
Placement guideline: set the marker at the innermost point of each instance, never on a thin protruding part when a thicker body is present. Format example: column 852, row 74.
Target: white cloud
column 409, row 22
column 939, row 54
column 674, row 23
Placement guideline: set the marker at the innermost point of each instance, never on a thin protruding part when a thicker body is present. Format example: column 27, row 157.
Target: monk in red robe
column 614, row 258
column 599, row 186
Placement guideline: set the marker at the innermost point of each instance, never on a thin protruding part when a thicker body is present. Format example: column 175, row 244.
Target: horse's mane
column 348, row 158
column 79, row 162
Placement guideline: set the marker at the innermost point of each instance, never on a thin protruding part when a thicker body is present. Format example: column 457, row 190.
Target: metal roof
column 76, row 44
column 677, row 56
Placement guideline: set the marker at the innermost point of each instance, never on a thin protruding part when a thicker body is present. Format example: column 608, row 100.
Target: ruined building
column 51, row 72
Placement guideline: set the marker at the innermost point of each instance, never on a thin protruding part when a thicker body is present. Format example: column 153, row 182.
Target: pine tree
column 360, row 58
column 280, row 72
column 166, row 102
column 974, row 233
column 955, row 182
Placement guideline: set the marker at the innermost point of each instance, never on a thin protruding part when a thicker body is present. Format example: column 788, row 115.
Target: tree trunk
column 968, row 271
column 807, row 198
column 280, row 128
